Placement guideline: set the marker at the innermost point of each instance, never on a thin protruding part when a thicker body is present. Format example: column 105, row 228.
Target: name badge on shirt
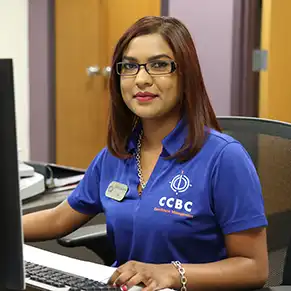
column 116, row 191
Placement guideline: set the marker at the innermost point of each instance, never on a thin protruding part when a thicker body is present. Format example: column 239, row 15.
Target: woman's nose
column 143, row 78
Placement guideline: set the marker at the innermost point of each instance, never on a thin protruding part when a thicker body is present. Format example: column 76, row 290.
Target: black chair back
column 269, row 144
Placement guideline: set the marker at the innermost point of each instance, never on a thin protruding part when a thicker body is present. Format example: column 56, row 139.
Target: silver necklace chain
column 138, row 163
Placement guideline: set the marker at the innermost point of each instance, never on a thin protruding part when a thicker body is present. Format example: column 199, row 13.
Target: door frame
column 164, row 7
column 246, row 38
column 41, row 50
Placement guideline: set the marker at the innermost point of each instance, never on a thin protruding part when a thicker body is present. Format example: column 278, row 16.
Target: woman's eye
column 129, row 66
column 159, row 64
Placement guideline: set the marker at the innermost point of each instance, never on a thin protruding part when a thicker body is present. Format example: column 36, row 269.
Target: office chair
column 269, row 144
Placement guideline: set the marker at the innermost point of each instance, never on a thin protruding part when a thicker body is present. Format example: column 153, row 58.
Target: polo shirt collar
column 171, row 143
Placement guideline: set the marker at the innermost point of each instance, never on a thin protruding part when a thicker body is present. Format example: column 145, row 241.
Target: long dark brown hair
column 196, row 107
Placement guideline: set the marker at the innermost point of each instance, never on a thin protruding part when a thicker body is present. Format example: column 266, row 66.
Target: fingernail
column 123, row 288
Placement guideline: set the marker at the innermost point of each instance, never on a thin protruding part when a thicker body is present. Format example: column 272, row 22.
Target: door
column 86, row 33
column 275, row 89
column 275, row 101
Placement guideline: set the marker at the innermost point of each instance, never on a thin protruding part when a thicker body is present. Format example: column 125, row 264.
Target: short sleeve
column 86, row 197
column 237, row 195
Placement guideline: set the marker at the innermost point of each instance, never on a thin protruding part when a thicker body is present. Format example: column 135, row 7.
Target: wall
column 211, row 24
column 14, row 44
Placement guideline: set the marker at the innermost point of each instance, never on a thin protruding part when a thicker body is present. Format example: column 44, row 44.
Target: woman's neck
column 155, row 130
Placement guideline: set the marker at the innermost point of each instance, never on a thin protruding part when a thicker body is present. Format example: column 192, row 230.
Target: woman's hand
column 152, row 276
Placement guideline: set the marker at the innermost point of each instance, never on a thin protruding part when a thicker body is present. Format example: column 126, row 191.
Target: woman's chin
column 147, row 115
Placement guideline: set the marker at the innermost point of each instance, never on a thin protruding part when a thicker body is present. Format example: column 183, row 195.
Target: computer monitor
column 11, row 238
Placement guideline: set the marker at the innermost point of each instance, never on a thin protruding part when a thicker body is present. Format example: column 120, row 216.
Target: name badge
column 116, row 191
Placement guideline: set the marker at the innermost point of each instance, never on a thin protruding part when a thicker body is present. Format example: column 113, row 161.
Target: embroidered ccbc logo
column 179, row 184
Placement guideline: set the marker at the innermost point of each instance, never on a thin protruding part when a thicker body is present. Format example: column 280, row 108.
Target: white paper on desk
column 61, row 189
column 86, row 269
column 59, row 182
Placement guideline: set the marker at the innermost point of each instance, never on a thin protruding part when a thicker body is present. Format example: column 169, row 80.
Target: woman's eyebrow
column 152, row 58
column 128, row 58
column 159, row 57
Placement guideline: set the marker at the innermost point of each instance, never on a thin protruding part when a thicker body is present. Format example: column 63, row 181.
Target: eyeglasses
column 159, row 67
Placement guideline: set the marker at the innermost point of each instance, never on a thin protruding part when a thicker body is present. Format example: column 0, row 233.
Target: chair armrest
column 94, row 238
column 84, row 236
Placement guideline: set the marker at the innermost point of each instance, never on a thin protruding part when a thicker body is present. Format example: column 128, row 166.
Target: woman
column 182, row 201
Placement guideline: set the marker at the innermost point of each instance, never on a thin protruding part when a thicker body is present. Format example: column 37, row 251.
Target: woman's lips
column 145, row 96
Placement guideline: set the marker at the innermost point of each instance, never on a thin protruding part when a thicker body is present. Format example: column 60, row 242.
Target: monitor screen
column 11, row 246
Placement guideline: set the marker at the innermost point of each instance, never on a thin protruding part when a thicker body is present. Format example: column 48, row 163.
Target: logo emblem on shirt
column 181, row 207
column 180, row 183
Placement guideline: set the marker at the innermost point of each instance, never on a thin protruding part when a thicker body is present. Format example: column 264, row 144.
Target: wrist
column 182, row 276
column 175, row 277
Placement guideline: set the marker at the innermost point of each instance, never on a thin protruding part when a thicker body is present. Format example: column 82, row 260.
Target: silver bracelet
column 181, row 271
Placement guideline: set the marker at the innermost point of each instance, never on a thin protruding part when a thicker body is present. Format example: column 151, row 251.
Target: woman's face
column 153, row 94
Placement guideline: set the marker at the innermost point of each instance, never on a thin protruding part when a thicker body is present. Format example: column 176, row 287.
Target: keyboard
column 62, row 280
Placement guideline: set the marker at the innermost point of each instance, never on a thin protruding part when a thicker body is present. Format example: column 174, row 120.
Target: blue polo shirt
column 186, row 208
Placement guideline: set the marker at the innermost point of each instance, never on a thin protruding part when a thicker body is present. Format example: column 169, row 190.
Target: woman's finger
column 124, row 277
column 137, row 279
column 114, row 276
